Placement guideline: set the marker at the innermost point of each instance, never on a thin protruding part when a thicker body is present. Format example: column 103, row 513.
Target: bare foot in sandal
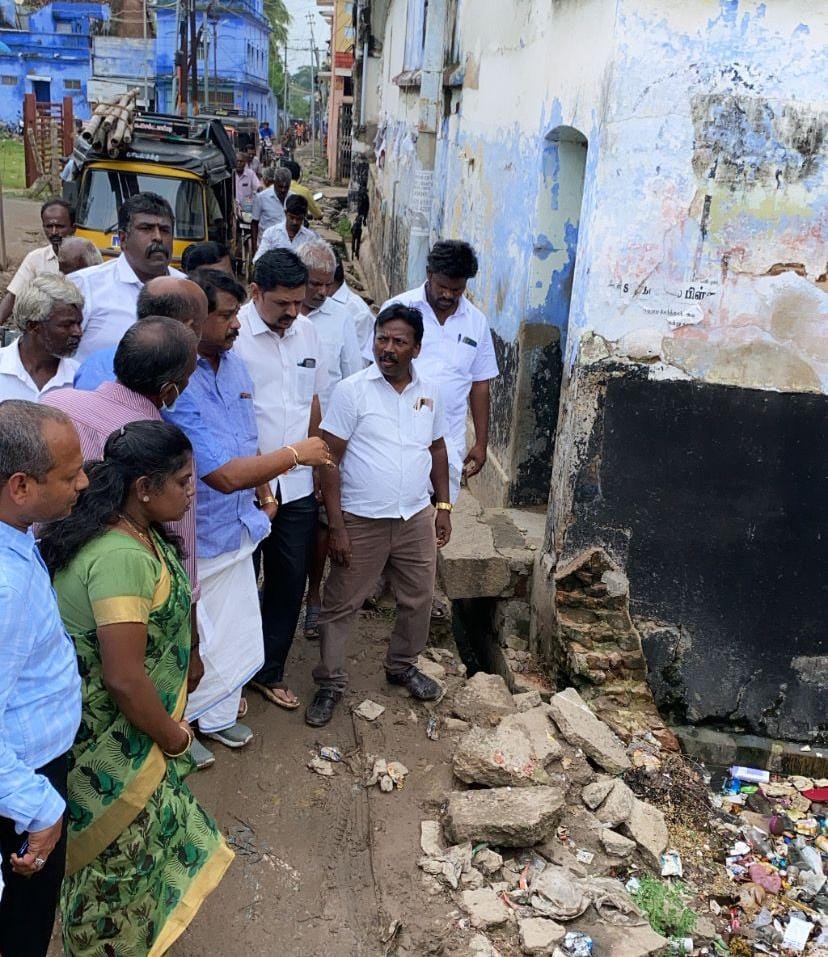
column 279, row 695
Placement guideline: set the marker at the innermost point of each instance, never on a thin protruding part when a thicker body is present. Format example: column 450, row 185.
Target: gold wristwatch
column 443, row 506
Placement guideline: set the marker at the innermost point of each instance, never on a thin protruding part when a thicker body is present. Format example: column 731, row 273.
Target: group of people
column 179, row 455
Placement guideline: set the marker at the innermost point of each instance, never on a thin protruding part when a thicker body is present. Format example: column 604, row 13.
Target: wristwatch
column 443, row 506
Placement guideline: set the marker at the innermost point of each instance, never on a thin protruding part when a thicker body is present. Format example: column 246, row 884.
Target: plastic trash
column 431, row 729
column 797, row 933
column 671, row 865
column 330, row 753
column 681, row 945
column 752, row 775
column 576, row 944
column 557, row 894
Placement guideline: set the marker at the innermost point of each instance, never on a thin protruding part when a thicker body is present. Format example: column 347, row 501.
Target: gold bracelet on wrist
column 443, row 506
column 296, row 461
column 184, row 750
column 267, row 500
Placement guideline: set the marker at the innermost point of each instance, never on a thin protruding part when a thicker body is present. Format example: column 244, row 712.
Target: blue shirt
column 216, row 413
column 96, row 369
column 40, row 689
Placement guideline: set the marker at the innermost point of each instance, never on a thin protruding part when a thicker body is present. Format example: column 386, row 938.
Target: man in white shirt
column 384, row 426
column 359, row 309
column 342, row 356
column 247, row 183
column 48, row 314
column 269, row 203
column 284, row 357
column 110, row 291
column 457, row 352
column 58, row 220
column 292, row 233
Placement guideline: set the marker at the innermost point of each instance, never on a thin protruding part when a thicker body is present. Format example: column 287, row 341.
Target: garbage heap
column 549, row 850
column 776, row 832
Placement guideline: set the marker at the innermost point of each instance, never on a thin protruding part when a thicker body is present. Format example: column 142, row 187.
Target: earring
column 145, row 498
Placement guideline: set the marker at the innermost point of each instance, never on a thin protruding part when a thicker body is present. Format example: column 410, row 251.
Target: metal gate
column 48, row 137
column 343, row 170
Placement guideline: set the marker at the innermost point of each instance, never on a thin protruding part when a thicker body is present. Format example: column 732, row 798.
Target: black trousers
column 28, row 904
column 284, row 554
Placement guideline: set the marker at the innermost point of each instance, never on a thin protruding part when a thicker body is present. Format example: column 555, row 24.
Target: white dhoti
column 231, row 643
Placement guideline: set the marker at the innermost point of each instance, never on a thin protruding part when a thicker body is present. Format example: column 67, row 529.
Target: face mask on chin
column 170, row 406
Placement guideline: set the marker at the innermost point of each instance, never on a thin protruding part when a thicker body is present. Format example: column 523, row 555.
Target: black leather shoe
column 421, row 686
column 321, row 709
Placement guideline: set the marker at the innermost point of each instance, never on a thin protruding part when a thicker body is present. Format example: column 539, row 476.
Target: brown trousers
column 407, row 550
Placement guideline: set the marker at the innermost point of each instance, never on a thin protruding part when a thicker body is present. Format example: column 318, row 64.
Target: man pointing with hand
column 384, row 427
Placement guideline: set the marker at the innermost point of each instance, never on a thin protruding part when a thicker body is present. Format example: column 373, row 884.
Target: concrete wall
column 645, row 184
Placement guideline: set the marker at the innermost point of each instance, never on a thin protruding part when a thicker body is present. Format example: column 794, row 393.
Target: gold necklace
column 138, row 531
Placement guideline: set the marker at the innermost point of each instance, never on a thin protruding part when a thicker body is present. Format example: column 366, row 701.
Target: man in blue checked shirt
column 41, row 476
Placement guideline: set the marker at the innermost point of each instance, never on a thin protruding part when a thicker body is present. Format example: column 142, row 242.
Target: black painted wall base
column 715, row 501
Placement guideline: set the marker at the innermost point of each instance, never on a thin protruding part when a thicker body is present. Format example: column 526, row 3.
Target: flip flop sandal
column 273, row 697
column 312, row 622
column 242, row 712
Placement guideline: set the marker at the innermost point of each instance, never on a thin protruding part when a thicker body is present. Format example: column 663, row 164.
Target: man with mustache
column 217, row 414
column 457, row 352
column 385, row 429
column 145, row 231
column 58, row 220
column 286, row 361
column 48, row 314
column 41, row 476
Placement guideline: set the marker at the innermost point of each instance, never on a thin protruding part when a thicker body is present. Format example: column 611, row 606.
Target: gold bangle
column 443, row 506
column 184, row 750
column 296, row 461
column 267, row 500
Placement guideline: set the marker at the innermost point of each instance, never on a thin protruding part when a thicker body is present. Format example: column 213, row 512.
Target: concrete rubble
column 532, row 844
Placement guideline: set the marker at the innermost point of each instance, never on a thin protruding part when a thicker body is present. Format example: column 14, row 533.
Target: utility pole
column 174, row 93
column 205, row 33
column 184, row 57
column 194, row 58
column 313, row 86
column 285, row 106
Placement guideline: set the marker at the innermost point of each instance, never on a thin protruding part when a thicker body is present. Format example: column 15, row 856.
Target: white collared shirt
column 385, row 471
column 38, row 261
column 16, row 383
column 276, row 237
column 339, row 343
column 110, row 292
column 454, row 355
column 360, row 312
column 268, row 209
column 287, row 372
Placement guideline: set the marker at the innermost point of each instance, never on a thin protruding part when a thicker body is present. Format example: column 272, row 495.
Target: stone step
column 492, row 550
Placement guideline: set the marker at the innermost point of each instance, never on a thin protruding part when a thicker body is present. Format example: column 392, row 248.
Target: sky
column 300, row 32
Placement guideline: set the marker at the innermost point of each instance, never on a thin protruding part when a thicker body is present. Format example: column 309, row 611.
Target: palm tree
column 279, row 19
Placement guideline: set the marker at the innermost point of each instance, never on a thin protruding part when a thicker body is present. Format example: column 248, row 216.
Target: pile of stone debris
column 533, row 847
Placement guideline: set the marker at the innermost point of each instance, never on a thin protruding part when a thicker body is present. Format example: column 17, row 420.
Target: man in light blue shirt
column 216, row 413
column 41, row 476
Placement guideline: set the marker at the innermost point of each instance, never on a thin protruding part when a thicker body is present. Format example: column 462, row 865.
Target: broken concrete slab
column 430, row 838
column 455, row 725
column 480, row 946
column 647, row 827
column 617, row 806
column 487, row 861
column 539, row 935
column 484, row 907
column 432, row 668
column 616, row 844
column 527, row 700
column 593, row 794
column 515, row 754
column 505, row 817
column 639, row 941
column 582, row 728
column 483, row 700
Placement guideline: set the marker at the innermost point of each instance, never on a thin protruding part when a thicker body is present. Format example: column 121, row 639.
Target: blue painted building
column 234, row 51
column 46, row 52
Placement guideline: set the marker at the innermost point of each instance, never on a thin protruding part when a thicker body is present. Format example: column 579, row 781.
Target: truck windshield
column 103, row 191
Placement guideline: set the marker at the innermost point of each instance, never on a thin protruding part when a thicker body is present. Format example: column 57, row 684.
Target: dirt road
column 323, row 865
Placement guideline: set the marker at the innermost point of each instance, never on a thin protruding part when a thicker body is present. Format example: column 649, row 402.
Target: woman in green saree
column 142, row 854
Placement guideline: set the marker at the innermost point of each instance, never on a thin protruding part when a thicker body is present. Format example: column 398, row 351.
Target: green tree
column 279, row 19
column 300, row 91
